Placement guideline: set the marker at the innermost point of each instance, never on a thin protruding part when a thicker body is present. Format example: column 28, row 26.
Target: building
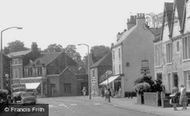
column 50, row 73
column 133, row 50
column 97, row 71
column 6, row 70
column 172, row 50
column 55, row 75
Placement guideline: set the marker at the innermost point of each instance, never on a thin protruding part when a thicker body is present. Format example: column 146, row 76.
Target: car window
column 27, row 94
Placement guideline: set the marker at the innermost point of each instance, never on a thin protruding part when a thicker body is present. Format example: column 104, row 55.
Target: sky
column 64, row 22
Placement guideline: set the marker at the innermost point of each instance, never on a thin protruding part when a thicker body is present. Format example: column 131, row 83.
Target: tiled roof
column 19, row 53
column 168, row 13
column 180, row 7
column 105, row 60
column 125, row 35
column 157, row 33
column 46, row 58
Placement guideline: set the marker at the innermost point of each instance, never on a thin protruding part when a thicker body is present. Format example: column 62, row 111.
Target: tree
column 54, row 48
column 6, row 50
column 35, row 50
column 70, row 50
column 16, row 46
column 97, row 52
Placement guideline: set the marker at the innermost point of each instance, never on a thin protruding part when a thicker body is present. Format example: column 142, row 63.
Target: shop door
column 67, row 89
column 175, row 80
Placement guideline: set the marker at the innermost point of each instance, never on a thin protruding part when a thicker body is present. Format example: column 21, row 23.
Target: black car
column 4, row 96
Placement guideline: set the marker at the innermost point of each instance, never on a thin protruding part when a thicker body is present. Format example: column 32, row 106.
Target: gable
column 187, row 18
column 165, row 34
column 180, row 10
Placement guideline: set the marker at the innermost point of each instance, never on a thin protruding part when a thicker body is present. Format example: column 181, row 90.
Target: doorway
column 175, row 80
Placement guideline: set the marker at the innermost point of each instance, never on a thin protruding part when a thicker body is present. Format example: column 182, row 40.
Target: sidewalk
column 130, row 104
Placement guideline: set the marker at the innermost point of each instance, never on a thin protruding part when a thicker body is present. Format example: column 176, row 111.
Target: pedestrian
column 174, row 98
column 119, row 92
column 84, row 91
column 183, row 97
column 106, row 94
column 102, row 91
column 109, row 95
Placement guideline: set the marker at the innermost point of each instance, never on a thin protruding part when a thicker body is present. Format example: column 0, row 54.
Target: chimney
column 131, row 22
column 118, row 36
column 140, row 19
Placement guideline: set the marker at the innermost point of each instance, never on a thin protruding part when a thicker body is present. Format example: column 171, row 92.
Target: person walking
column 174, row 98
column 84, row 91
column 183, row 97
column 109, row 95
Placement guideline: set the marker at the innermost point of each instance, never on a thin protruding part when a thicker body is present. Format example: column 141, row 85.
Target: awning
column 32, row 85
column 109, row 80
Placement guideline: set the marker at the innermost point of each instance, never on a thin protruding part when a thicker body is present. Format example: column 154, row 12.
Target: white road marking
column 63, row 105
column 66, row 107
column 51, row 106
column 97, row 104
column 73, row 104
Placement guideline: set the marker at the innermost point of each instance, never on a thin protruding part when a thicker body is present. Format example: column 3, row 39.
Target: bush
column 146, row 84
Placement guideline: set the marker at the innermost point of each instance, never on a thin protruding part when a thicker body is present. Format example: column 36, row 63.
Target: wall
column 94, row 81
column 187, row 27
column 116, row 60
column 68, row 78
column 137, row 47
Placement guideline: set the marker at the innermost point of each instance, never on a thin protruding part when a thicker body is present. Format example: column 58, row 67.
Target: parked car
column 16, row 96
column 28, row 98
column 3, row 96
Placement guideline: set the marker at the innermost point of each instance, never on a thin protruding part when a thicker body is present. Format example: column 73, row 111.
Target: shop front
column 37, row 84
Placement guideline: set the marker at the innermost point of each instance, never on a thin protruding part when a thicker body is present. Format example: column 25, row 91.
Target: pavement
column 130, row 104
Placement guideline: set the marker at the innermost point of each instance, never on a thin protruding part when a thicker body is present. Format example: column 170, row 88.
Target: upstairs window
column 169, row 52
column 186, row 47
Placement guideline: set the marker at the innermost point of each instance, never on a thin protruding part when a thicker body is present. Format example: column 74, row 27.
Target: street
column 77, row 106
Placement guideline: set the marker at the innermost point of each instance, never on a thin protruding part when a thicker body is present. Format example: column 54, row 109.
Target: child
column 174, row 97
column 183, row 97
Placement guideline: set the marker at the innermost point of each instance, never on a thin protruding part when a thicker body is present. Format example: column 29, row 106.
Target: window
column 93, row 73
column 39, row 71
column 186, row 47
column 187, row 79
column 113, row 55
column 177, row 46
column 169, row 82
column 169, row 52
column 119, row 53
column 158, row 54
column 119, row 68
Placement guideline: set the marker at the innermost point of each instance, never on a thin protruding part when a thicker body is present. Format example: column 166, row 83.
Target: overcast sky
column 94, row 22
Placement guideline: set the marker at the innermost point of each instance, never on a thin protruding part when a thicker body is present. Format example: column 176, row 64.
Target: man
column 183, row 97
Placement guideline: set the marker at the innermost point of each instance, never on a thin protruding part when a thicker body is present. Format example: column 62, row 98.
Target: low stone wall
column 151, row 98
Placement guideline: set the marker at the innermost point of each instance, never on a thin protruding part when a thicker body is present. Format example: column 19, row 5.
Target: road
column 75, row 106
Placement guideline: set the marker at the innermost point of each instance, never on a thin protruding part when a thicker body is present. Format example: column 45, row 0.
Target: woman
column 174, row 97
column 183, row 97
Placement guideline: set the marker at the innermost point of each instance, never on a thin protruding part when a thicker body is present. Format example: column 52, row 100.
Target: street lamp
column 89, row 78
column 2, row 52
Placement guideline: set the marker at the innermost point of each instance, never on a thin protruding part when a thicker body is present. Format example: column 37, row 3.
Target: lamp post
column 89, row 78
column 1, row 62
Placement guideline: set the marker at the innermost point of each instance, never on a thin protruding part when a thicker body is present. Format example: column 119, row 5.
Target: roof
column 157, row 33
column 169, row 13
column 180, row 5
column 105, row 60
column 46, row 58
column 19, row 53
column 125, row 35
